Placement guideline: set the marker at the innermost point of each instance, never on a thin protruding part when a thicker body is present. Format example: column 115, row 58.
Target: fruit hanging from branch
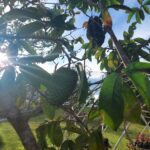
column 95, row 31
column 107, row 21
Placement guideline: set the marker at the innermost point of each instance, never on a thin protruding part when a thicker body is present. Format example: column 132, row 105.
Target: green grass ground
column 12, row 141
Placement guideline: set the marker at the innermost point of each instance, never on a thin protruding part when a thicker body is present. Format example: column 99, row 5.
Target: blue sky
column 119, row 26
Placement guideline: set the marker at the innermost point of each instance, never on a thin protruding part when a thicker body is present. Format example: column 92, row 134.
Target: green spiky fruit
column 61, row 86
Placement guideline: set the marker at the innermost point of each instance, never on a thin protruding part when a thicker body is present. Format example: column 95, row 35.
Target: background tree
column 34, row 32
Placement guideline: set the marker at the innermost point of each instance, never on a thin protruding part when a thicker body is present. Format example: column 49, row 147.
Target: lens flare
column 3, row 60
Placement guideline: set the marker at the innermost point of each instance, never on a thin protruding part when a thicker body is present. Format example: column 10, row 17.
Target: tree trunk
column 24, row 132
column 17, row 119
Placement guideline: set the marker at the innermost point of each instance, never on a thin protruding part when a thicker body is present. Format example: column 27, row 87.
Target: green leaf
column 67, row 45
column 131, row 29
column 30, row 28
column 146, row 9
column 110, row 42
column 35, row 74
column 59, row 21
column 68, row 145
column 70, row 24
column 96, row 141
column 111, row 101
column 141, row 13
column 142, row 83
column 138, row 66
column 41, row 133
column 130, row 16
column 138, row 18
column 48, row 109
column 81, row 141
column 55, row 133
column 144, row 54
column 31, row 59
column 132, row 109
column 83, row 84
column 28, row 47
column 71, row 127
column 59, row 86
column 140, row 40
column 140, row 1
column 20, row 14
column 147, row 2
column 93, row 114
column 54, row 53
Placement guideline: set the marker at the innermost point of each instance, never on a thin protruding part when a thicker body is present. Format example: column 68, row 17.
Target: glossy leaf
column 132, row 109
column 68, row 145
column 83, row 84
column 96, row 141
column 142, row 83
column 41, row 133
column 138, row 66
column 55, row 133
column 111, row 101
column 93, row 114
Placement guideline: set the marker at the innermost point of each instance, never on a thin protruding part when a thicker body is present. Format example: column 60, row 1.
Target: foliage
column 34, row 32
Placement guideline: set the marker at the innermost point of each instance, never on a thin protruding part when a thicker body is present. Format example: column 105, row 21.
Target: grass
column 12, row 141
column 133, row 130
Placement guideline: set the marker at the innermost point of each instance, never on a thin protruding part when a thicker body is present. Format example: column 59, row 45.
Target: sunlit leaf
column 132, row 109
column 59, row 86
column 96, row 141
column 130, row 16
column 111, row 101
column 139, row 66
column 142, row 83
